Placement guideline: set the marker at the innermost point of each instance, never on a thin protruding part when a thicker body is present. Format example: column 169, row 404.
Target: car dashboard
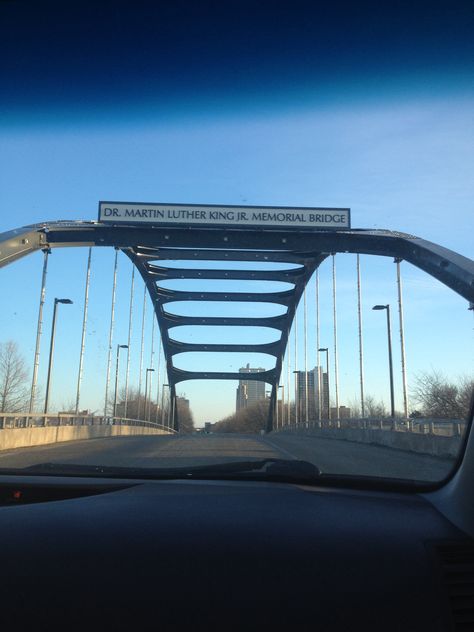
column 226, row 555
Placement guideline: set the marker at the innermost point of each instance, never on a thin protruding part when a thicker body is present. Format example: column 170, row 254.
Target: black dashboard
column 214, row 555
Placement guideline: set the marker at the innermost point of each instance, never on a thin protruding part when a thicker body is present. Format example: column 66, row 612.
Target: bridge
column 299, row 253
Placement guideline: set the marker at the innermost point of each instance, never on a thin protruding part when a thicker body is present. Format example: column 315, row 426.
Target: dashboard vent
column 457, row 566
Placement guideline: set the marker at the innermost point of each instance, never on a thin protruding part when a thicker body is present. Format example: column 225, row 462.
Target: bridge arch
column 300, row 252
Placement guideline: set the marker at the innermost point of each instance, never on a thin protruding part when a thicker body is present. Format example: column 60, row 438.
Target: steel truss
column 151, row 248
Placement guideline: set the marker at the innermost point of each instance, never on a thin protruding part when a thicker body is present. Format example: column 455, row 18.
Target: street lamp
column 64, row 301
column 117, row 376
column 390, row 363
column 146, row 390
column 326, row 350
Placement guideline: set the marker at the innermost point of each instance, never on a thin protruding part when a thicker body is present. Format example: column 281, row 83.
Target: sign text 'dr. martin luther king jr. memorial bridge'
column 225, row 216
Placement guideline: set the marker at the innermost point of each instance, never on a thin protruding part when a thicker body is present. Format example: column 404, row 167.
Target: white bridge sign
column 255, row 217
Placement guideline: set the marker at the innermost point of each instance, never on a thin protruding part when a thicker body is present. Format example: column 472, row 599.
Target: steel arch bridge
column 150, row 247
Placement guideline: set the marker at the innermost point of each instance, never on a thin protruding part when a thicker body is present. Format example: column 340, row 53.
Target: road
column 331, row 456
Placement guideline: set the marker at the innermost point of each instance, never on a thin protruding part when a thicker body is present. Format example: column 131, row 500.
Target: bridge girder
column 150, row 248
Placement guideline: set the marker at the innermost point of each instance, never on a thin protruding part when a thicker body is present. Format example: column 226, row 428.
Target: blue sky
column 403, row 166
column 349, row 106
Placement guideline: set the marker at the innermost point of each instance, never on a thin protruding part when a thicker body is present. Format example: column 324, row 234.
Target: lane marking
column 282, row 450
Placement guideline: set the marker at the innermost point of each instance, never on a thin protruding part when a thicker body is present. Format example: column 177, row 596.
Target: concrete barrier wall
column 28, row 437
column 423, row 443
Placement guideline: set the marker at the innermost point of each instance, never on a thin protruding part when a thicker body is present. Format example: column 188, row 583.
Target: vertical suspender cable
column 288, row 375
column 336, row 375
column 152, row 353
column 130, row 319
column 297, row 404
column 111, row 335
column 173, row 409
column 84, row 326
column 361, row 345
column 305, row 322
column 402, row 340
column 140, row 370
column 169, row 407
column 318, row 344
column 163, row 404
column 158, row 381
column 39, row 330
column 283, row 404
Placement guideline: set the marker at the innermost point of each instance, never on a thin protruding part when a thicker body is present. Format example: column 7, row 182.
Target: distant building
column 344, row 412
column 249, row 391
column 314, row 377
column 183, row 404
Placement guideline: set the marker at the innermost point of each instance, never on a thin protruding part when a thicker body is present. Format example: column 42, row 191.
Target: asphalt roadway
column 330, row 455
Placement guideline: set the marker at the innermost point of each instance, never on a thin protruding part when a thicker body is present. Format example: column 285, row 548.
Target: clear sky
column 372, row 110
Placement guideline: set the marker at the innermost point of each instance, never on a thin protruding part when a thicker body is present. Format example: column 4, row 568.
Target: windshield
column 291, row 286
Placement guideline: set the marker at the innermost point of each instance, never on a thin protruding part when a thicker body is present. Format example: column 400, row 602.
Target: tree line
column 433, row 396
column 15, row 393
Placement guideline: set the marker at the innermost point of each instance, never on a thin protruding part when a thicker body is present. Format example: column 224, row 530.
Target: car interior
column 213, row 548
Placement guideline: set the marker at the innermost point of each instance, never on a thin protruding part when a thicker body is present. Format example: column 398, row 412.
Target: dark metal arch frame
column 148, row 248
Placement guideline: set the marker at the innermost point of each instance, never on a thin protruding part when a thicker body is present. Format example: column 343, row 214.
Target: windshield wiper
column 284, row 470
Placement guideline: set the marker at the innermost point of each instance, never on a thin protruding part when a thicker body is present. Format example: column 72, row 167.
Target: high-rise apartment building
column 314, row 377
column 249, row 391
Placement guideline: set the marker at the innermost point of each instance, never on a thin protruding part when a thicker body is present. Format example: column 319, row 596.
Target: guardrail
column 436, row 427
column 10, row 421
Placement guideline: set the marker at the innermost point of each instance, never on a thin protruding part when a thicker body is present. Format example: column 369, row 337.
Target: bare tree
column 253, row 419
column 185, row 415
column 354, row 405
column 13, row 376
column 374, row 408
column 440, row 398
column 136, row 405
column 139, row 407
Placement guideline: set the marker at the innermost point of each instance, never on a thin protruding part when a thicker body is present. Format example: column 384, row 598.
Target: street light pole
column 64, row 301
column 326, row 350
column 117, row 376
column 390, row 362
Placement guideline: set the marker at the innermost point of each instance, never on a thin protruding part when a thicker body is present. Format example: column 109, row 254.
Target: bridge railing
column 37, row 420
column 438, row 427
